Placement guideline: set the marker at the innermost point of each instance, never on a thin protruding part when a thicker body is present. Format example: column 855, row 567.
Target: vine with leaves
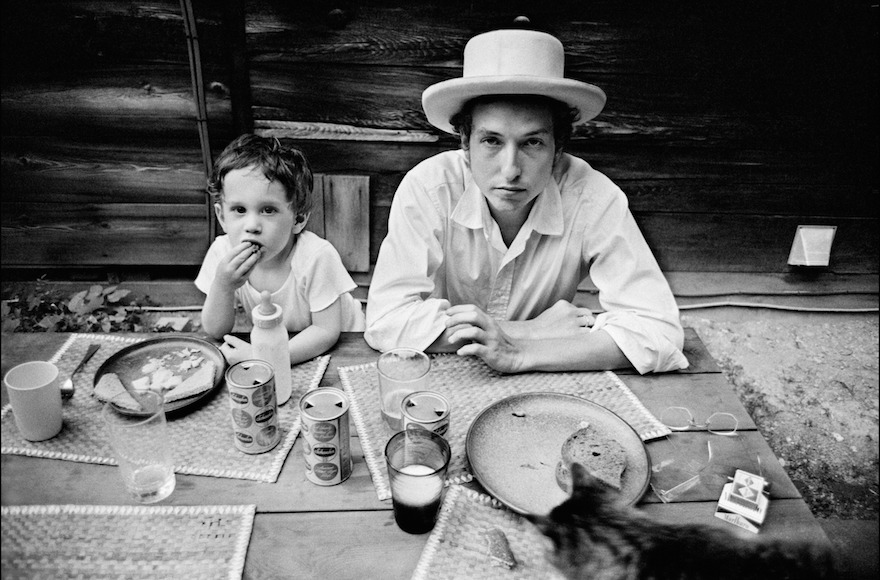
column 98, row 309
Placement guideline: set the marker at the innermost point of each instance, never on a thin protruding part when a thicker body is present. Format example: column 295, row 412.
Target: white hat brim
column 443, row 100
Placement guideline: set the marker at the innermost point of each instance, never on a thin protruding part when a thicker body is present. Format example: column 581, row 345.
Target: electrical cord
column 697, row 306
column 774, row 307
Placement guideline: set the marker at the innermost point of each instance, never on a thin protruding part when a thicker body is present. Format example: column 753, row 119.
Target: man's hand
column 236, row 266
column 484, row 337
column 235, row 349
column 564, row 318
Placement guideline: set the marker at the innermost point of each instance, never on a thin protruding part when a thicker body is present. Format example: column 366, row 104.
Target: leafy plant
column 98, row 309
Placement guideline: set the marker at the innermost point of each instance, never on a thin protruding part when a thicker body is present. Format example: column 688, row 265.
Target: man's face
column 511, row 152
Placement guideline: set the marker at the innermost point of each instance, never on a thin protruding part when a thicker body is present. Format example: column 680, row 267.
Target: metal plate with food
column 186, row 370
column 514, row 448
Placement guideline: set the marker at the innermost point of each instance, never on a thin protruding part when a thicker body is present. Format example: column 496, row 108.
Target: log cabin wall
column 727, row 123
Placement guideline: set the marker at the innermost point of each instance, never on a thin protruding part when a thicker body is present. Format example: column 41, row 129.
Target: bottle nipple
column 266, row 306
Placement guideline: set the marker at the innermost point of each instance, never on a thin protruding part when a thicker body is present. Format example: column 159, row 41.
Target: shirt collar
column 545, row 218
column 470, row 207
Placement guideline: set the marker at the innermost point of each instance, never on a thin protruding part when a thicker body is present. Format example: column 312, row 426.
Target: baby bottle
column 269, row 343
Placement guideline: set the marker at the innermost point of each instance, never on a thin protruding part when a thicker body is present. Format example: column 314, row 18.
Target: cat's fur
column 595, row 539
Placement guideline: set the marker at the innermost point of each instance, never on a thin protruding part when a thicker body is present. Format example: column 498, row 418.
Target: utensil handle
column 93, row 348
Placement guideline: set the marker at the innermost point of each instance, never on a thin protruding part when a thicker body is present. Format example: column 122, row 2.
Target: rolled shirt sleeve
column 640, row 312
column 406, row 306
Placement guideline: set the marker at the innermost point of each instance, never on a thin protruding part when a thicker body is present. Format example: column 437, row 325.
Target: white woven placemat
column 470, row 386
column 131, row 542
column 202, row 440
column 457, row 546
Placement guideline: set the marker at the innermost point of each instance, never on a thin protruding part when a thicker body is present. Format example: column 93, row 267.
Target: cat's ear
column 580, row 476
column 585, row 485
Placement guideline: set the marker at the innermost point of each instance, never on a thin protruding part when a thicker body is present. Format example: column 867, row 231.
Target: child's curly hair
column 287, row 165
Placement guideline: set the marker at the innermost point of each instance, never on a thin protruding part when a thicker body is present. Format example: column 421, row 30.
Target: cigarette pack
column 743, row 502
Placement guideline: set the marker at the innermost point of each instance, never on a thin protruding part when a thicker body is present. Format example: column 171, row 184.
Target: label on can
column 326, row 437
column 253, row 405
column 426, row 410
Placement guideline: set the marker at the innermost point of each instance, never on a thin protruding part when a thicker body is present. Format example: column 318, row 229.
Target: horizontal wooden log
column 148, row 101
column 337, row 132
column 709, row 243
column 388, row 96
column 66, row 171
column 668, row 78
column 745, row 64
column 818, row 179
column 715, row 115
column 738, row 243
column 713, row 209
column 654, row 179
column 61, row 35
column 103, row 234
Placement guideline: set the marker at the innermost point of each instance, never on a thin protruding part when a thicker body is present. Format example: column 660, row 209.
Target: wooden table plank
column 729, row 454
column 61, row 482
column 703, row 394
column 787, row 519
column 700, row 359
column 334, row 545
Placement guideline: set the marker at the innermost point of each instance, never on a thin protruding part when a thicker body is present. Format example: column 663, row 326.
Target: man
column 486, row 245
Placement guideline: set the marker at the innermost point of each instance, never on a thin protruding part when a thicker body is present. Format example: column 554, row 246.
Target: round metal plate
column 127, row 364
column 513, row 447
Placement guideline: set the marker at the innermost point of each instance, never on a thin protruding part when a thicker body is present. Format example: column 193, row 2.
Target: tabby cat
column 594, row 539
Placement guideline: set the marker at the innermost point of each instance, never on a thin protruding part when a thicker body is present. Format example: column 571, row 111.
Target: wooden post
column 234, row 21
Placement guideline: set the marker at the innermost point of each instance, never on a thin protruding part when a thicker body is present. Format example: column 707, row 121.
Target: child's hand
column 235, row 349
column 236, row 266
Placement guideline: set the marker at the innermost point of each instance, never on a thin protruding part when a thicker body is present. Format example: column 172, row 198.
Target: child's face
column 256, row 210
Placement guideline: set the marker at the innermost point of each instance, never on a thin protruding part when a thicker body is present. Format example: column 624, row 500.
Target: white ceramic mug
column 34, row 390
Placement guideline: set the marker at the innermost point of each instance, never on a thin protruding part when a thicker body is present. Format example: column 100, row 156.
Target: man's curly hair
column 564, row 116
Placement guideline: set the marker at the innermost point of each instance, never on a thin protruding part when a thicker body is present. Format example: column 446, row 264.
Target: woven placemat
column 202, row 440
column 75, row 541
column 457, row 546
column 470, row 386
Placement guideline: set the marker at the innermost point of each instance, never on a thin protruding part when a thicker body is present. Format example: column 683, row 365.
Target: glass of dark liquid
column 417, row 461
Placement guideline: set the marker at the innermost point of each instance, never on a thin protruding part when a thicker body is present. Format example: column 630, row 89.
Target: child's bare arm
column 218, row 313
column 319, row 337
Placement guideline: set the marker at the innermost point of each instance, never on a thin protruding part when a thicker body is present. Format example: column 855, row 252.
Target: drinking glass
column 401, row 371
column 417, row 462
column 142, row 447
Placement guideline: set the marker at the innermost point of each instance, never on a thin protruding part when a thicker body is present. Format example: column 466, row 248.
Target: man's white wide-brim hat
column 510, row 62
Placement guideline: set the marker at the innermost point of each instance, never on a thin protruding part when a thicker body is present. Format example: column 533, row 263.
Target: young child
column 262, row 194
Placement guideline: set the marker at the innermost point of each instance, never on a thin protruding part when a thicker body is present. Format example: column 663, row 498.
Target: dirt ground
column 811, row 385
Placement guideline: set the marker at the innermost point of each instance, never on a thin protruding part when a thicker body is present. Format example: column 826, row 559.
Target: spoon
column 67, row 388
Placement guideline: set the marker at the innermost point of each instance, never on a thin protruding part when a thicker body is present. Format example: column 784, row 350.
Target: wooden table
column 344, row 531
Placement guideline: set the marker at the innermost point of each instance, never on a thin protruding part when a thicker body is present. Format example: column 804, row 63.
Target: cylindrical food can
column 426, row 410
column 251, row 386
column 326, row 442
